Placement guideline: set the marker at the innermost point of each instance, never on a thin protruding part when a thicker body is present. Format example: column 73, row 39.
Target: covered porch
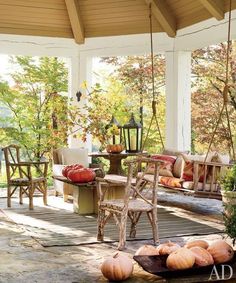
column 52, row 243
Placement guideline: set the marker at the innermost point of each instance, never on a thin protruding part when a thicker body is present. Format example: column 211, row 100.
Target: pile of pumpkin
column 78, row 173
column 198, row 253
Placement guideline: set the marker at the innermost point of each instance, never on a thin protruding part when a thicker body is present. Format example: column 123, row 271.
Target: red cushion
column 167, row 167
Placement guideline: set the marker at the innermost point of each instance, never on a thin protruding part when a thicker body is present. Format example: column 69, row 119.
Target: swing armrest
column 206, row 178
column 213, row 164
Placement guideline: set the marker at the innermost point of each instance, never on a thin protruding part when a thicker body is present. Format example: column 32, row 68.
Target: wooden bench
column 85, row 199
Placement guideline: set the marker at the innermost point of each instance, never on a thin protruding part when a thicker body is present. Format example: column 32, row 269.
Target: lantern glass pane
column 133, row 139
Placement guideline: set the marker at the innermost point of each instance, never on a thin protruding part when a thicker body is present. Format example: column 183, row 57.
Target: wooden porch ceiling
column 80, row 19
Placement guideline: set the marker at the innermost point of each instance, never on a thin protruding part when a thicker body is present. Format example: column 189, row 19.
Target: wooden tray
column 157, row 265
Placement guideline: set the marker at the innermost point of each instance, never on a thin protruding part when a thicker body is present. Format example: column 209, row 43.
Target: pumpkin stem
column 116, row 255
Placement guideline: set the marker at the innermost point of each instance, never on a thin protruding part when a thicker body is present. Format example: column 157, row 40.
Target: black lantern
column 133, row 135
column 116, row 131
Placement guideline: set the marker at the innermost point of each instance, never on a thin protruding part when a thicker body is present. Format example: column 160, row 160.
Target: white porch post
column 80, row 70
column 178, row 100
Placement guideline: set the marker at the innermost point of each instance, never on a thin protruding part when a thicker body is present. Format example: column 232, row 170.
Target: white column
column 80, row 71
column 178, row 100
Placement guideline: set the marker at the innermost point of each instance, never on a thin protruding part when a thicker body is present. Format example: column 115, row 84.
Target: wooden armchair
column 206, row 179
column 19, row 175
column 134, row 202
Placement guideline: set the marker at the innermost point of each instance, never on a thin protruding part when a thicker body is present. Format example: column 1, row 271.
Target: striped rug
column 52, row 226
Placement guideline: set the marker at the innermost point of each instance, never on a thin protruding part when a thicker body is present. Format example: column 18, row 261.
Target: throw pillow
column 187, row 174
column 171, row 182
column 166, row 168
column 178, row 166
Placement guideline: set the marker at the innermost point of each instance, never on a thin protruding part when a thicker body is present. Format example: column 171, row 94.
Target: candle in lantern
column 133, row 143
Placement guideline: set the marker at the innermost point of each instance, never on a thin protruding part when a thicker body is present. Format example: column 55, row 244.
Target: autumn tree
column 209, row 68
column 38, row 111
column 135, row 74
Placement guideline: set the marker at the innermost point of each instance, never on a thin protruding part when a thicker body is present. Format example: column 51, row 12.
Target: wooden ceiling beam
column 215, row 8
column 75, row 20
column 163, row 15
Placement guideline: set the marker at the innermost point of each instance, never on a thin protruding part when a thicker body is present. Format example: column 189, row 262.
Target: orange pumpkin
column 197, row 243
column 147, row 250
column 221, row 251
column 114, row 148
column 182, row 258
column 167, row 248
column 117, row 268
column 202, row 256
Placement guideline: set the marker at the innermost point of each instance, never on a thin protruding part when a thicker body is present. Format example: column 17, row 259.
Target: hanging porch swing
column 209, row 187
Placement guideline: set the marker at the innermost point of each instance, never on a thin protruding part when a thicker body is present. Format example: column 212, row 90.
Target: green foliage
column 229, row 185
column 101, row 104
column 230, row 222
column 229, row 180
column 39, row 112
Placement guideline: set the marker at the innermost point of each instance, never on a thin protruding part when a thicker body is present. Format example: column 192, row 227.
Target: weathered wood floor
column 57, row 225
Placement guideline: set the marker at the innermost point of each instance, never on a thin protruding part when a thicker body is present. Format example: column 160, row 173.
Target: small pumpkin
column 83, row 175
column 221, row 251
column 147, row 250
column 197, row 243
column 167, row 248
column 202, row 256
column 114, row 148
column 118, row 267
column 180, row 259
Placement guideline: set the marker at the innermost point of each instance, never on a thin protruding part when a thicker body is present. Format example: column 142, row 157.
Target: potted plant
column 229, row 202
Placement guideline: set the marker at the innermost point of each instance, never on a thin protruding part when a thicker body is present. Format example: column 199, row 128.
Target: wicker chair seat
column 133, row 205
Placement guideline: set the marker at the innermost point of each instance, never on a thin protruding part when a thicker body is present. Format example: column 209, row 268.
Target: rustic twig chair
column 19, row 175
column 134, row 202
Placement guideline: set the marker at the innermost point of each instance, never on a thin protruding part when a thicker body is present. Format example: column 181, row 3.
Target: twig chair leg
column 31, row 192
column 122, row 238
column 44, row 186
column 21, row 195
column 101, row 223
column 9, row 196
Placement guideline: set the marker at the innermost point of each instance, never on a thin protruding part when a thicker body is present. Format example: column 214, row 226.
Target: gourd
column 221, row 251
column 202, row 256
column 118, row 267
column 197, row 243
column 114, row 148
column 167, row 248
column 147, row 250
column 180, row 259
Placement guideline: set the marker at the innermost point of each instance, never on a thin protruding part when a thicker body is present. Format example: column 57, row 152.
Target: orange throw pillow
column 170, row 182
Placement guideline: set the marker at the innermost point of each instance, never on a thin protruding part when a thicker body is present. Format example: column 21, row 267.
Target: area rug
column 60, row 227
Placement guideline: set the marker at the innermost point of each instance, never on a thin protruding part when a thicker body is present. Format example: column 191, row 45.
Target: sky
column 4, row 67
